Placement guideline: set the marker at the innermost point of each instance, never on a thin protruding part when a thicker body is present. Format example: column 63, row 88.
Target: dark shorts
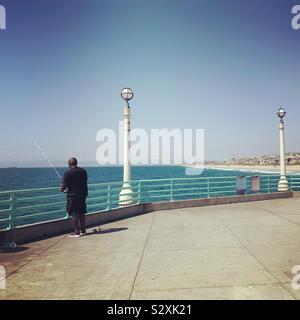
column 76, row 205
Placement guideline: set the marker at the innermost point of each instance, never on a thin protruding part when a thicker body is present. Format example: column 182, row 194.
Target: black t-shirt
column 75, row 180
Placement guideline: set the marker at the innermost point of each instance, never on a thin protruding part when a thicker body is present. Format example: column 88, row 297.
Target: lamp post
column 283, row 184
column 126, row 196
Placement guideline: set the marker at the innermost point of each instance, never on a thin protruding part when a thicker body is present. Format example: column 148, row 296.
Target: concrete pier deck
column 234, row 251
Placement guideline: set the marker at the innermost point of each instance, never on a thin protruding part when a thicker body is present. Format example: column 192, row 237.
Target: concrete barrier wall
column 56, row 227
column 296, row 194
column 171, row 205
column 52, row 228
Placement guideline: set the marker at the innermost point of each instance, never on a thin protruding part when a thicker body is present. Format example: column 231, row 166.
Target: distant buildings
column 292, row 158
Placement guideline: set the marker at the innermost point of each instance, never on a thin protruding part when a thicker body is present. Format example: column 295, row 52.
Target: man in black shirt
column 75, row 184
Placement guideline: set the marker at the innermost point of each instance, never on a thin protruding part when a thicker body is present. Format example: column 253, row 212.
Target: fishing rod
column 12, row 244
column 46, row 158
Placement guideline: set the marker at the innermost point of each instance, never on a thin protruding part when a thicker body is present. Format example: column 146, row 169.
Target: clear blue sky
column 221, row 65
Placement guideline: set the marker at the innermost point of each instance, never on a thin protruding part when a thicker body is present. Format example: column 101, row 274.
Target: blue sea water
column 27, row 178
column 30, row 209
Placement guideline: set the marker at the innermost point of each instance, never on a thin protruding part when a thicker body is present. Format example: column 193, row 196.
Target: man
column 75, row 184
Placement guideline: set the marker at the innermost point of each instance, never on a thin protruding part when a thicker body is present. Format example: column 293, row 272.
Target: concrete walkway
column 239, row 251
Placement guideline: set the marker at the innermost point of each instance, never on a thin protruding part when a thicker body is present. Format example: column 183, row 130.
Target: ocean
column 28, row 178
column 28, row 209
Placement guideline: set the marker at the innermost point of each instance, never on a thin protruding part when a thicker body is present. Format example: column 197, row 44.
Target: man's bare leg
column 75, row 223
column 82, row 222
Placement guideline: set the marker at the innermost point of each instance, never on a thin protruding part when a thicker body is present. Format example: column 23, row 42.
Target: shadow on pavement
column 103, row 231
column 13, row 250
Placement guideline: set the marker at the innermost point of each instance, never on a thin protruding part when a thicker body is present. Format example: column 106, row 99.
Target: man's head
column 72, row 162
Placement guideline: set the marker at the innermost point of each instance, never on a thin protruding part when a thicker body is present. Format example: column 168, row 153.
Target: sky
column 224, row 66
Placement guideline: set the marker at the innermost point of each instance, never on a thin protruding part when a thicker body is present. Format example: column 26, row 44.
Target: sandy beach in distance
column 257, row 168
column 268, row 168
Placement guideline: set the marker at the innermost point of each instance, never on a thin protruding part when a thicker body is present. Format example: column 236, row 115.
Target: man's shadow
column 104, row 231
column 12, row 250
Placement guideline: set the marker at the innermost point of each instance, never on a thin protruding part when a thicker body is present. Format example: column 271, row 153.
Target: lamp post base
column 127, row 196
column 283, row 184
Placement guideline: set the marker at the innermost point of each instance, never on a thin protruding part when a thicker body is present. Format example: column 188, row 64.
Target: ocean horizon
column 16, row 178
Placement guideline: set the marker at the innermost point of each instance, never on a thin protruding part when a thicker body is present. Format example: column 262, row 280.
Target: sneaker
column 83, row 233
column 74, row 235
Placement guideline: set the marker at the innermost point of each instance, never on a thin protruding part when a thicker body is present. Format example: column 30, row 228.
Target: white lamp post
column 126, row 195
column 283, row 184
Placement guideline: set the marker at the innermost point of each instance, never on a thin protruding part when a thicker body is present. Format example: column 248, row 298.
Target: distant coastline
column 251, row 168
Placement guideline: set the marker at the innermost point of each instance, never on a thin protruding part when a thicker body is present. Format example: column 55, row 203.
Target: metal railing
column 22, row 207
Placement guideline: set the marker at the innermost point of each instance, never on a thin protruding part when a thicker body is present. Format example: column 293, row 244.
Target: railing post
column 208, row 188
column 172, row 190
column 139, row 192
column 108, row 198
column 12, row 211
column 268, row 184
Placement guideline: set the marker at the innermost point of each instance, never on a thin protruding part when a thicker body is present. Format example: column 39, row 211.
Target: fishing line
column 46, row 158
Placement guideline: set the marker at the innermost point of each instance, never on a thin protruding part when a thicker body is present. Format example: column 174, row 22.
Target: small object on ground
column 83, row 233
column 74, row 235
column 9, row 245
